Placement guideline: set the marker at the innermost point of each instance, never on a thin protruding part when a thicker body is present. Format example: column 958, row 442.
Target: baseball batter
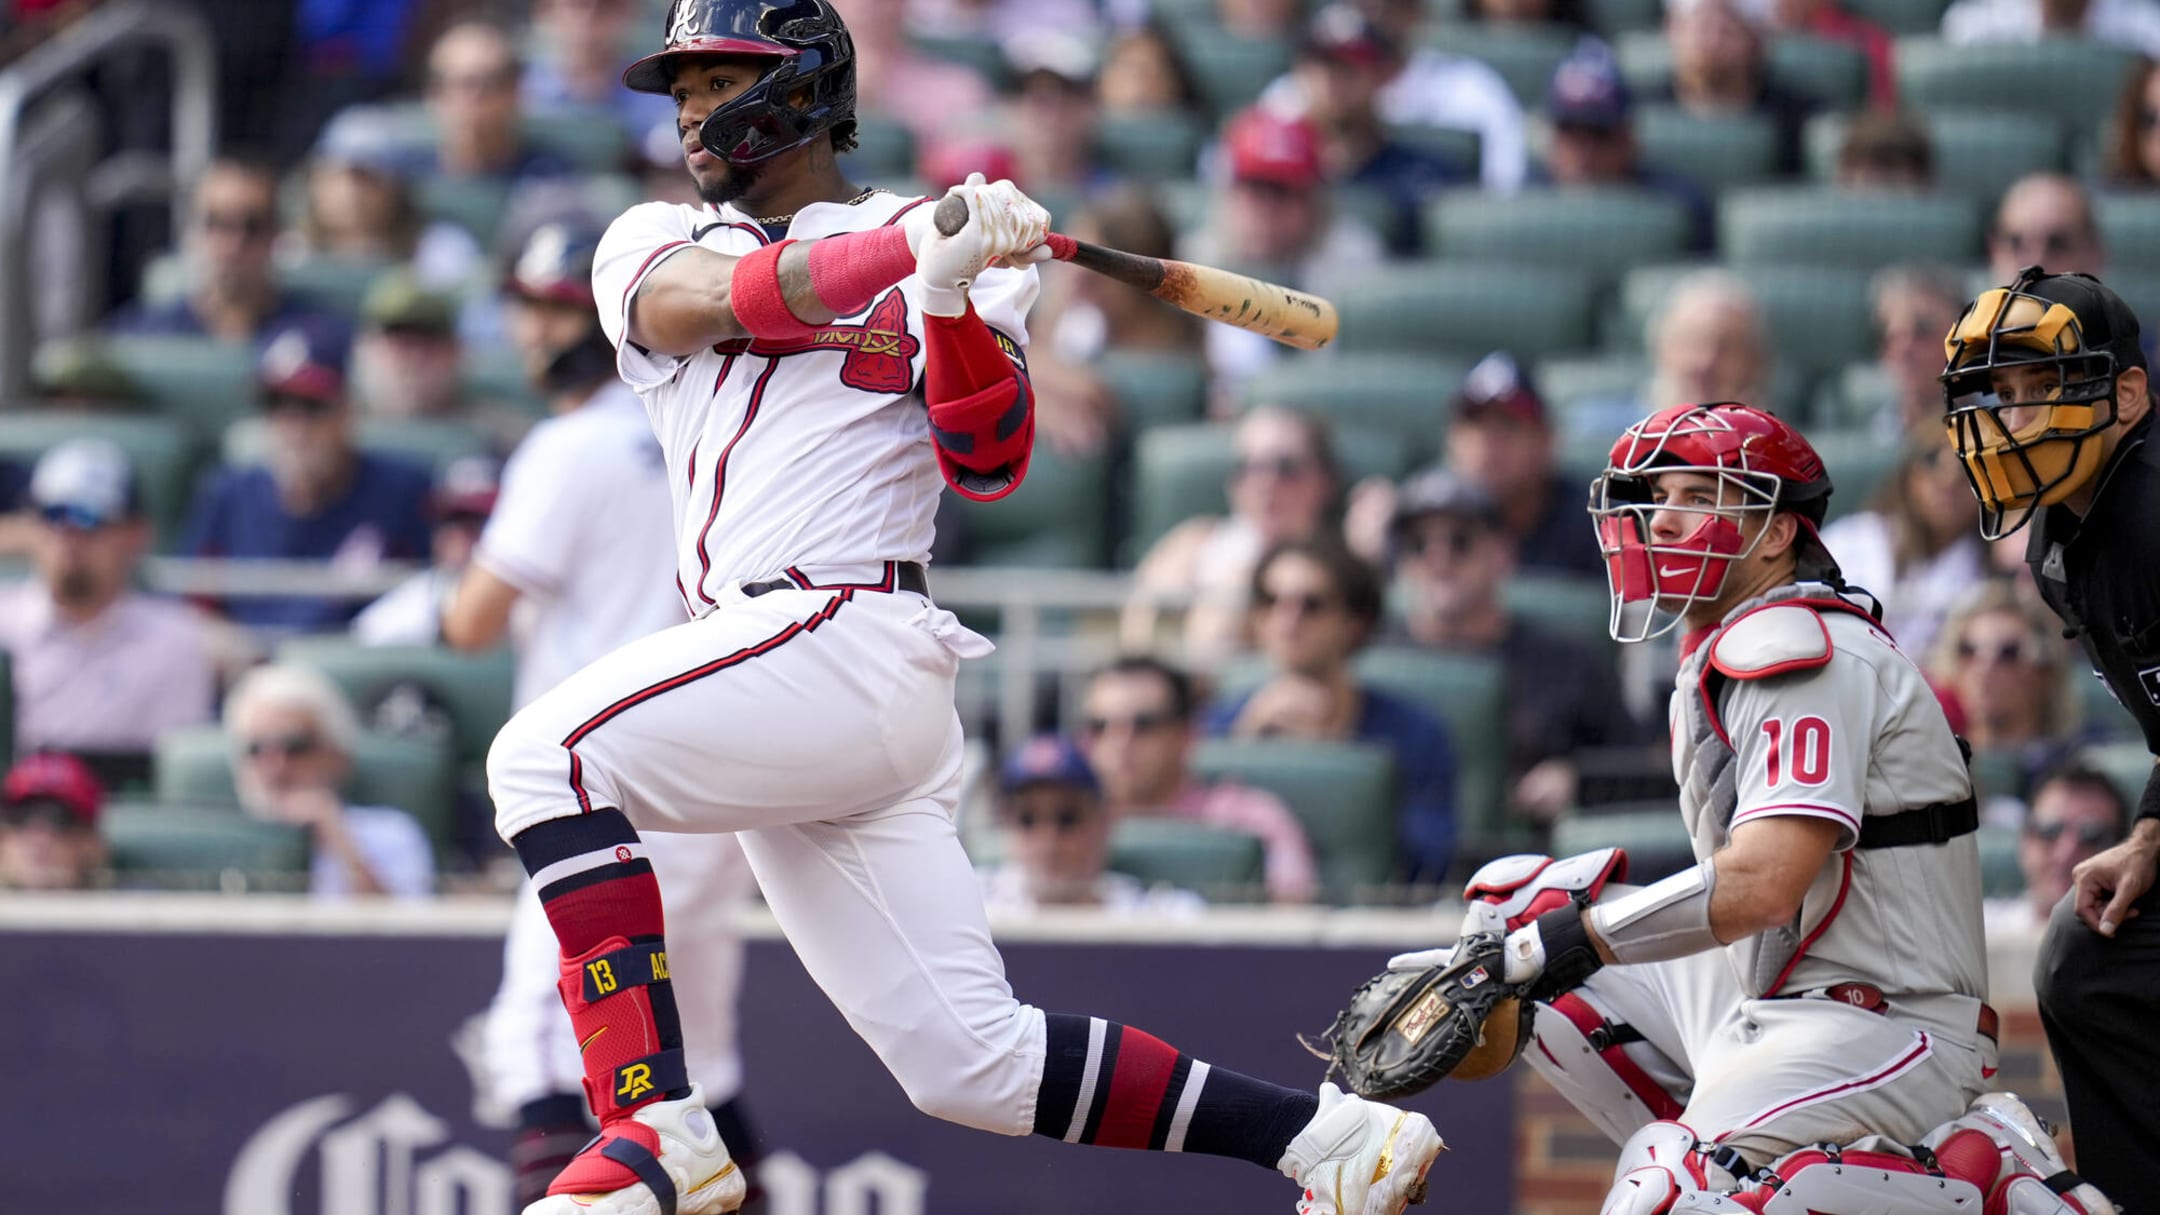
column 818, row 361
column 1817, row 977
column 576, row 560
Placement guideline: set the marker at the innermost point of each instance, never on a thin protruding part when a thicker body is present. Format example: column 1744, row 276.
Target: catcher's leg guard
column 1663, row 1170
column 1583, row 1053
column 1527, row 885
column 2029, row 1177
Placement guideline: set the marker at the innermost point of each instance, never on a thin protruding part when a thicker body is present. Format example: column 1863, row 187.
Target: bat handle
column 951, row 215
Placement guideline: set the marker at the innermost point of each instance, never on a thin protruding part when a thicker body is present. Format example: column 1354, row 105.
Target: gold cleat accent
column 1387, row 1149
column 715, row 1177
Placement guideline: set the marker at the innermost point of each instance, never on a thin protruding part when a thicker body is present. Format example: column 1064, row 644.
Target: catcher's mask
column 2041, row 444
column 808, row 85
column 1663, row 557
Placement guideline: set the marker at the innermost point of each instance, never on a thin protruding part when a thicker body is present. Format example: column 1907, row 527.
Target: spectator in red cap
column 49, row 825
column 1272, row 219
column 316, row 497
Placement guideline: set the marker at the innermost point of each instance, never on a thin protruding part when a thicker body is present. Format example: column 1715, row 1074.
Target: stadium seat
column 1468, row 310
column 1059, row 517
column 161, row 450
column 1572, row 380
column 1229, row 70
column 1824, row 227
column 1819, row 317
column 474, row 204
column 1713, row 152
column 1406, row 395
column 1599, row 231
column 474, row 689
column 2130, row 224
column 1456, row 145
column 590, row 137
column 198, row 381
column 1901, row 16
column 1831, row 72
column 1977, row 153
column 1180, row 472
column 173, row 843
column 333, row 284
column 1376, row 209
column 1150, row 147
column 1859, row 463
column 497, row 373
column 194, row 766
column 1155, row 388
column 2082, row 77
column 2128, row 764
column 1855, row 397
column 973, row 51
column 1616, row 17
column 1468, row 693
column 1221, row 864
column 1566, row 606
column 883, row 149
column 2000, row 876
column 1652, row 832
column 431, row 441
column 2142, row 292
column 2102, row 714
column 1524, row 55
column 1342, row 793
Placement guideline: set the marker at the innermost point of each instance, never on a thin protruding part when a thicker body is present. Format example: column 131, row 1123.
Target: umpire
column 2051, row 410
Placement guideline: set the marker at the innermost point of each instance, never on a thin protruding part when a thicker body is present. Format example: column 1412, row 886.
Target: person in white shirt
column 292, row 735
column 98, row 666
column 410, row 613
column 1917, row 548
column 2124, row 22
column 1055, row 831
column 578, row 558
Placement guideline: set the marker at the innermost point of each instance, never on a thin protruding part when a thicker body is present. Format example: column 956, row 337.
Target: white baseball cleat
column 1359, row 1157
column 665, row 1159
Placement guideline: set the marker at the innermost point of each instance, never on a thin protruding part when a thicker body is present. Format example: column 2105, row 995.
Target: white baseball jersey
column 1845, row 729
column 806, row 453
column 581, row 529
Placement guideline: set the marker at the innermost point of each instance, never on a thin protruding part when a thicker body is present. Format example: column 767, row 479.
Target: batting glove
column 1003, row 226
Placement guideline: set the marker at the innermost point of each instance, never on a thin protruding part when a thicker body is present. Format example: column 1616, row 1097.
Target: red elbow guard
column 982, row 410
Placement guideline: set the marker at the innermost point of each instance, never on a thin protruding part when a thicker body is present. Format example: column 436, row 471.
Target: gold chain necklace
column 778, row 221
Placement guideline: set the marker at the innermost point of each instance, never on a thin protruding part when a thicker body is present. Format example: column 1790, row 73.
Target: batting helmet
column 2020, row 455
column 808, row 89
column 1761, row 466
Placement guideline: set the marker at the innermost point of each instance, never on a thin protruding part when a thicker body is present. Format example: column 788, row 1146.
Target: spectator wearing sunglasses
column 1315, row 603
column 231, row 291
column 292, row 735
column 99, row 666
column 316, row 496
column 1282, row 487
column 1054, row 835
column 49, row 825
column 2000, row 667
column 2076, row 812
column 1138, row 729
column 2045, row 219
column 1452, row 560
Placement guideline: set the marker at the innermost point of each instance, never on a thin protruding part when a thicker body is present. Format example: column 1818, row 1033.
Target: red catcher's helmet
column 1761, row 465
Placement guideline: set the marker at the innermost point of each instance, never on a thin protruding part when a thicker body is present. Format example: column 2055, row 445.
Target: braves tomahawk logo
column 880, row 351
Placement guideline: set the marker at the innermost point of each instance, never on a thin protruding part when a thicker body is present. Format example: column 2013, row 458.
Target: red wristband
column 754, row 292
column 849, row 270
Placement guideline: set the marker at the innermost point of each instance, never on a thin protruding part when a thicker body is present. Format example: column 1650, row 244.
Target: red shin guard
column 982, row 410
column 610, row 993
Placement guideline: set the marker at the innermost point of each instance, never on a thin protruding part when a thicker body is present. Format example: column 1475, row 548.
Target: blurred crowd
column 1364, row 646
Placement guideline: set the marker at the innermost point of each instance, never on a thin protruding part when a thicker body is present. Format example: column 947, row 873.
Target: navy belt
column 899, row 576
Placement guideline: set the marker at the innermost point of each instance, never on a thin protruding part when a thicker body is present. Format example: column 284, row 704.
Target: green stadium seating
column 2083, row 77
column 1181, row 471
column 1467, row 310
column 1459, row 147
column 2142, row 293
column 474, row 689
column 1150, row 147
column 2128, row 764
column 1571, row 380
column 883, row 148
column 198, row 381
column 7, row 712
column 497, row 373
column 981, row 53
column 1342, row 793
column 2100, row 711
column 1822, row 227
column 1856, row 396
column 334, row 284
column 1154, row 388
column 161, row 450
column 591, row 138
column 1901, row 16
column 1567, row 606
column 1524, row 55
column 149, row 838
column 1406, row 395
column 1655, row 837
column 1615, row 17
column 1995, row 774
column 2130, row 224
column 1977, row 153
column 1229, row 70
column 1059, row 517
column 1599, row 231
column 1212, row 861
column 1818, row 316
column 1714, row 152
column 1468, row 694
column 431, row 441
column 474, row 204
column 1832, row 72
column 2000, row 876
column 1859, row 462
column 1377, row 210
column 195, row 766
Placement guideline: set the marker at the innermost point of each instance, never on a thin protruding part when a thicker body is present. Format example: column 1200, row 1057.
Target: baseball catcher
column 1795, row 1023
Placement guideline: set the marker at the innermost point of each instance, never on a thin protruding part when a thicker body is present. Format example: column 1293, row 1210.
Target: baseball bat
column 1294, row 318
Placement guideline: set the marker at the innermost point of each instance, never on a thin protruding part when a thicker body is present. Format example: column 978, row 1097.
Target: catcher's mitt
column 1406, row 1030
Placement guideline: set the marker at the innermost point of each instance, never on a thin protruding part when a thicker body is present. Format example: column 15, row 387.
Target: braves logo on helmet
column 807, row 88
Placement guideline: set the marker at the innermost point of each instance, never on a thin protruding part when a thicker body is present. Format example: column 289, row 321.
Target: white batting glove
column 1004, row 226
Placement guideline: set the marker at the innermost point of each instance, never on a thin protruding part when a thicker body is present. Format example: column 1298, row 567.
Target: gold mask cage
column 2014, row 470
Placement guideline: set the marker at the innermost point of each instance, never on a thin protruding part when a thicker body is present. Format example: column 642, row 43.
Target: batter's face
column 702, row 84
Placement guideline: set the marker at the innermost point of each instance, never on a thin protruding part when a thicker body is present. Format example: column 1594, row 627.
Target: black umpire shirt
column 2101, row 574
